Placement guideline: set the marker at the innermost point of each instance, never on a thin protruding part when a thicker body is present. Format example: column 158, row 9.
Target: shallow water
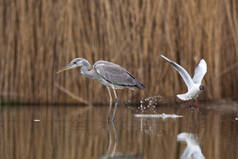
column 70, row 132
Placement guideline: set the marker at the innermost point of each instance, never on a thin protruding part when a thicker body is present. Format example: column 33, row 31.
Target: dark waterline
column 82, row 132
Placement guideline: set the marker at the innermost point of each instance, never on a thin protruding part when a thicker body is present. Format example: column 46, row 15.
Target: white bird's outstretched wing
column 183, row 73
column 200, row 71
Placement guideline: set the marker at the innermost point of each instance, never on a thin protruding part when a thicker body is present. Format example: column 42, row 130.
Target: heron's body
column 115, row 76
column 109, row 74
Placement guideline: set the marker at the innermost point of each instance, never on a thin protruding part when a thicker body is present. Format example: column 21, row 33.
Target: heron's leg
column 115, row 139
column 108, row 121
column 115, row 107
column 109, row 137
column 110, row 106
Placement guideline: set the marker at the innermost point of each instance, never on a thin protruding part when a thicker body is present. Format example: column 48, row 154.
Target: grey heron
column 109, row 74
column 194, row 84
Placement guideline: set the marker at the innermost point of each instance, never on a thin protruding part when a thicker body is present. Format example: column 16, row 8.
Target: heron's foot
column 113, row 119
column 108, row 120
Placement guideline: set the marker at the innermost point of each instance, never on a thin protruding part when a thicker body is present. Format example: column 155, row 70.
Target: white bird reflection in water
column 163, row 116
column 193, row 150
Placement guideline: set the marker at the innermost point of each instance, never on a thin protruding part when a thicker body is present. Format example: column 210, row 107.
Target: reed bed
column 39, row 37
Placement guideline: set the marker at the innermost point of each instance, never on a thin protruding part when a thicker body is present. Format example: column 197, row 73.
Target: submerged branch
column 72, row 95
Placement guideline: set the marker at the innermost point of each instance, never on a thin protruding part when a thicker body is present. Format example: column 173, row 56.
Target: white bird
column 193, row 150
column 194, row 84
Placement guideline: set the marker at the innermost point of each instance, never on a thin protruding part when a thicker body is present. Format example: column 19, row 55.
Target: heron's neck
column 85, row 69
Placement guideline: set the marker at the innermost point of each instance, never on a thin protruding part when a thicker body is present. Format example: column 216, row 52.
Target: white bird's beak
column 67, row 67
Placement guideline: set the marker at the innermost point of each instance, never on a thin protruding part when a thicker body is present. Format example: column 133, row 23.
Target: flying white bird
column 194, row 84
column 193, row 150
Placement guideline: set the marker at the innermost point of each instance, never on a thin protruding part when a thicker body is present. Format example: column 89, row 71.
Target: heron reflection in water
column 109, row 74
column 112, row 152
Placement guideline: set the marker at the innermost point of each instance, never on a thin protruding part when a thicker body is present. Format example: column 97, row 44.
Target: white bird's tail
column 183, row 96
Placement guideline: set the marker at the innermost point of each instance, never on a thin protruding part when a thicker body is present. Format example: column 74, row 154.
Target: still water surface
column 74, row 132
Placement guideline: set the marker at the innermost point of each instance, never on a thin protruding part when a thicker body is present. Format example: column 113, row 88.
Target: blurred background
column 39, row 37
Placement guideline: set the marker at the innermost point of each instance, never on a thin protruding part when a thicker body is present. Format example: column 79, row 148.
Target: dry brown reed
column 39, row 37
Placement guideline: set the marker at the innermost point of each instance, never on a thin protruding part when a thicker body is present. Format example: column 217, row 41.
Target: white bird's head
column 201, row 87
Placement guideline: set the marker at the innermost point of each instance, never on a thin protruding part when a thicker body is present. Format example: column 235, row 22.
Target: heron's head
column 73, row 64
column 201, row 87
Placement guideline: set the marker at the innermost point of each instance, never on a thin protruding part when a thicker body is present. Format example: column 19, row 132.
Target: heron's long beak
column 67, row 67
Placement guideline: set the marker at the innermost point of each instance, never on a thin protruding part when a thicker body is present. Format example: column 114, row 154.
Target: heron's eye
column 75, row 63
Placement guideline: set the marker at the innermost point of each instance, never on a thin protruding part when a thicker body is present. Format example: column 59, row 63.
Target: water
column 70, row 132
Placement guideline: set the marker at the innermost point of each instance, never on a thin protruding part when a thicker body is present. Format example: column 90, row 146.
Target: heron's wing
column 116, row 74
column 200, row 71
column 183, row 73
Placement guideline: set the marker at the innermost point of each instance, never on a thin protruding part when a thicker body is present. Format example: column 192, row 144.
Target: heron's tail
column 140, row 85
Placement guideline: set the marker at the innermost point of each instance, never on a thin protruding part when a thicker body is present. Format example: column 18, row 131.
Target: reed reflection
column 82, row 132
